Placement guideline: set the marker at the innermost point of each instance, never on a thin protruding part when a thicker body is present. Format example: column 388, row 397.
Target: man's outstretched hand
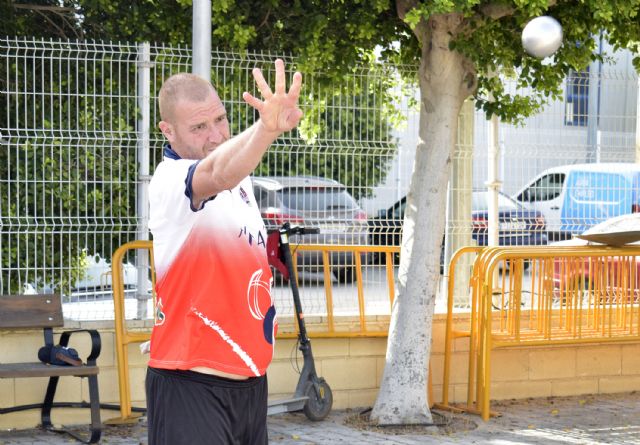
column 278, row 110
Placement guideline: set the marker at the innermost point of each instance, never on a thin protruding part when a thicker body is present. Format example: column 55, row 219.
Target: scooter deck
column 286, row 405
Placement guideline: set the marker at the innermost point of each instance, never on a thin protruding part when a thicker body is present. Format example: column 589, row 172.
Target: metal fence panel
column 71, row 136
column 68, row 138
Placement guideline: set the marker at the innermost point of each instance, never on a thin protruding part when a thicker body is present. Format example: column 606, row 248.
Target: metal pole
column 2, row 212
column 459, row 206
column 493, row 181
column 593, row 119
column 144, row 98
column 493, row 186
column 638, row 122
column 202, row 38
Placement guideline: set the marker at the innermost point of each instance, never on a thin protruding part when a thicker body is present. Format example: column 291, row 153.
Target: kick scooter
column 313, row 394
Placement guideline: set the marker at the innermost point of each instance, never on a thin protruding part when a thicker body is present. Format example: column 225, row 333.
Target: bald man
column 215, row 321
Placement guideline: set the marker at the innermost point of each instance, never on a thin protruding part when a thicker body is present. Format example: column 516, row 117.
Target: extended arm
column 236, row 158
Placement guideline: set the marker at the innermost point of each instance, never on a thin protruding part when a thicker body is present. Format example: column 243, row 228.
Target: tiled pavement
column 584, row 420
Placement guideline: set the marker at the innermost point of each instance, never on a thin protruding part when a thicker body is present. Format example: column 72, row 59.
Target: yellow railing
column 450, row 333
column 124, row 336
column 330, row 329
column 572, row 295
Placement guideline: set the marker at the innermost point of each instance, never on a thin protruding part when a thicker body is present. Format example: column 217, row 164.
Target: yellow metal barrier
column 124, row 337
column 576, row 295
column 450, row 333
column 388, row 251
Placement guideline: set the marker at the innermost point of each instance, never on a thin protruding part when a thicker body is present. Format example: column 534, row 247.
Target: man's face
column 197, row 128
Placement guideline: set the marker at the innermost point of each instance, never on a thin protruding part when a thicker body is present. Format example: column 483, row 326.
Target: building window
column 577, row 98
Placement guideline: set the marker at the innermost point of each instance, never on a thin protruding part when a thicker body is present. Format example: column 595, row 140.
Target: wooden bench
column 45, row 312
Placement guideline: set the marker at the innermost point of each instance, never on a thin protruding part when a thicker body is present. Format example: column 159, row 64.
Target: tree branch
column 72, row 27
column 64, row 14
column 496, row 11
column 264, row 21
column 402, row 8
column 60, row 30
column 42, row 7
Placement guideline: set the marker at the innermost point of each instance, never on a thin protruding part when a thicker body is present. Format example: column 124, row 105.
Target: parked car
column 614, row 276
column 573, row 198
column 517, row 225
column 314, row 202
column 386, row 228
column 95, row 282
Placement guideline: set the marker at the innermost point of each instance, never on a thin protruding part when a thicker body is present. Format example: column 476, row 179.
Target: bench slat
column 35, row 369
column 31, row 311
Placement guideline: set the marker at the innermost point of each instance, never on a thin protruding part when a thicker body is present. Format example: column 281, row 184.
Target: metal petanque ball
column 542, row 36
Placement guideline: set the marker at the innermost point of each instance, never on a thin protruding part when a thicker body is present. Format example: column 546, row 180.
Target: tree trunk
column 445, row 81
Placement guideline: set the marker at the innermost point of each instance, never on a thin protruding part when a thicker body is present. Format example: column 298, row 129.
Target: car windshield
column 317, row 199
column 480, row 202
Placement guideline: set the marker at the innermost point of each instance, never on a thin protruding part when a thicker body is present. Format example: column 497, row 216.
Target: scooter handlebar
column 301, row 230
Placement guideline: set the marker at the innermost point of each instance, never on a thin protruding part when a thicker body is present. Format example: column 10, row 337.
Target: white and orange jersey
column 214, row 305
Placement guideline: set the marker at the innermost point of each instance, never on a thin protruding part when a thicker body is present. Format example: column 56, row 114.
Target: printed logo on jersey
column 259, row 298
column 160, row 317
column 237, row 349
column 245, row 196
column 258, row 239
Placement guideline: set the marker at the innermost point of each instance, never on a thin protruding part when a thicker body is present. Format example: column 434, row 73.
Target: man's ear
column 167, row 130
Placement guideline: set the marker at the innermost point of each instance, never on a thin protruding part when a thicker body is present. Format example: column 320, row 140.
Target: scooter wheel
column 320, row 400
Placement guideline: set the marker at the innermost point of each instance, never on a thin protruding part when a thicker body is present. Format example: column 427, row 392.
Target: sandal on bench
column 59, row 356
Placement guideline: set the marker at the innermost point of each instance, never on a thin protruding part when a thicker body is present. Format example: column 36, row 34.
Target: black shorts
column 191, row 408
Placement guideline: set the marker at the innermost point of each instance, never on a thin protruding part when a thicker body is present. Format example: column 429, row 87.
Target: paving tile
column 584, row 420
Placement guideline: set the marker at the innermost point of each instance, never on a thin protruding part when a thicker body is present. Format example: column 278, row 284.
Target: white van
column 573, row 198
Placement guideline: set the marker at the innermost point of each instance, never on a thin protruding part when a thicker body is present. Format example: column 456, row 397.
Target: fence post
column 460, row 205
column 638, row 122
column 144, row 99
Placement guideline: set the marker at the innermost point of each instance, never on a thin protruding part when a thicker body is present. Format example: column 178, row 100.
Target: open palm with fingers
column 279, row 111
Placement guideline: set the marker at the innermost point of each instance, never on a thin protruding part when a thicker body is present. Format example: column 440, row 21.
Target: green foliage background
column 67, row 168
column 59, row 164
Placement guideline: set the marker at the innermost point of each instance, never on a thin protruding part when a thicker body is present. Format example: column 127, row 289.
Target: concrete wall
column 352, row 367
